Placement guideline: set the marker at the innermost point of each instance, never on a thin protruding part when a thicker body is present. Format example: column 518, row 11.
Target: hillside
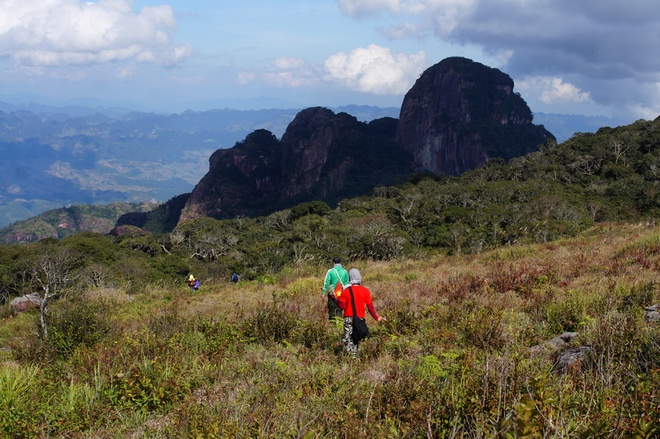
column 458, row 116
column 610, row 175
column 60, row 156
column 65, row 221
column 461, row 354
column 521, row 300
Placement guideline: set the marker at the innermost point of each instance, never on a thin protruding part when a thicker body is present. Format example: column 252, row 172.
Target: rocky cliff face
column 322, row 155
column 242, row 180
column 456, row 117
column 460, row 113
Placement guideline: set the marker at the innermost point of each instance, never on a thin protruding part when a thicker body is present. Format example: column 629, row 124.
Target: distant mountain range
column 62, row 156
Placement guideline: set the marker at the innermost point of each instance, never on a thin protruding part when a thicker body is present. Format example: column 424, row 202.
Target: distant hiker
column 197, row 285
column 234, row 277
column 335, row 276
column 361, row 296
column 192, row 283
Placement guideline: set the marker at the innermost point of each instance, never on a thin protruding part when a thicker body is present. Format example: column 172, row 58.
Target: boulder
column 652, row 313
column 24, row 303
column 572, row 360
column 555, row 344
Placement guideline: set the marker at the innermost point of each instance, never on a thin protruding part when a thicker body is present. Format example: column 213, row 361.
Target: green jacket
column 333, row 277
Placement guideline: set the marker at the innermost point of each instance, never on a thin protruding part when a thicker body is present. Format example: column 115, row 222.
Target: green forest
column 471, row 273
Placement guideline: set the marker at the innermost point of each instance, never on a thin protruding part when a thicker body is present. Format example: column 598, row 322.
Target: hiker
column 234, row 277
column 362, row 298
column 193, row 283
column 335, row 279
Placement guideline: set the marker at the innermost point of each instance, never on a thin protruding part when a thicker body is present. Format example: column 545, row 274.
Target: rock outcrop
column 322, row 155
column 566, row 359
column 456, row 117
column 26, row 302
column 572, row 360
column 554, row 344
column 460, row 113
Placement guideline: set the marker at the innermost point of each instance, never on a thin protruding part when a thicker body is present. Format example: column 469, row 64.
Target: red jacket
column 362, row 299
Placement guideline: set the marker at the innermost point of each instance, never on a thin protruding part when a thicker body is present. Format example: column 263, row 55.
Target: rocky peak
column 317, row 153
column 461, row 113
column 457, row 116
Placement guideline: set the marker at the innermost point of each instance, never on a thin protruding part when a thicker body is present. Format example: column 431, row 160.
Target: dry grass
column 452, row 360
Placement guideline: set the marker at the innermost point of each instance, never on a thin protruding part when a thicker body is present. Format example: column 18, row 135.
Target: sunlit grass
column 453, row 359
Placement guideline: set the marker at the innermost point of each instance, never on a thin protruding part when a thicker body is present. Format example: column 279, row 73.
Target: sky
column 585, row 57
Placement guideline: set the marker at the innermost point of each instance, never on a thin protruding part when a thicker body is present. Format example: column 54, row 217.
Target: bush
column 76, row 322
column 567, row 315
column 270, row 323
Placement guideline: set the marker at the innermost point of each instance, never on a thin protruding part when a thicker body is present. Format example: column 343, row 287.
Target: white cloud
column 73, row 32
column 362, row 8
column 605, row 47
column 245, row 78
column 289, row 78
column 375, row 69
column 284, row 72
column 285, row 63
column 553, row 90
column 439, row 16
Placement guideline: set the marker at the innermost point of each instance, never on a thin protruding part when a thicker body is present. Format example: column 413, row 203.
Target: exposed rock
column 162, row 219
column 652, row 313
column 23, row 303
column 459, row 114
column 555, row 344
column 318, row 153
column 241, row 180
column 123, row 230
column 566, row 360
column 572, row 360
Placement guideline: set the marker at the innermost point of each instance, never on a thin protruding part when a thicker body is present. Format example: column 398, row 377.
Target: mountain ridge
column 99, row 155
column 456, row 117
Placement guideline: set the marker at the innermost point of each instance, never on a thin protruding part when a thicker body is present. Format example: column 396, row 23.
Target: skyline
column 588, row 58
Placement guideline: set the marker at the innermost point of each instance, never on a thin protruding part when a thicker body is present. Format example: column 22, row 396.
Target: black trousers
column 333, row 309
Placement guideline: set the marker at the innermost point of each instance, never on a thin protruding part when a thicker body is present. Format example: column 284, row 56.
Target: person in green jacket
column 336, row 275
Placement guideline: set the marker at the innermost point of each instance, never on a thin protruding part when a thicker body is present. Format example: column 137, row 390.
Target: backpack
column 338, row 289
column 197, row 284
column 340, row 285
column 234, row 277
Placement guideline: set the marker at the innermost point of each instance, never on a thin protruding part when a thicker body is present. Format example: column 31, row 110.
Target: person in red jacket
column 362, row 297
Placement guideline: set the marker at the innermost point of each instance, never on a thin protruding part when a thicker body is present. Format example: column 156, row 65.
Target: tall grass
column 453, row 358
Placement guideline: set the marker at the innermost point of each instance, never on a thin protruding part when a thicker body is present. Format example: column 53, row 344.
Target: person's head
column 336, row 260
column 354, row 276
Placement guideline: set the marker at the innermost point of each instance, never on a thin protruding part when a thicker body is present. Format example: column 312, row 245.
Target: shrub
column 76, row 322
column 270, row 323
column 17, row 385
column 567, row 315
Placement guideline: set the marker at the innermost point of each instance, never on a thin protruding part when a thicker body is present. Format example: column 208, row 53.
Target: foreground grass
column 453, row 358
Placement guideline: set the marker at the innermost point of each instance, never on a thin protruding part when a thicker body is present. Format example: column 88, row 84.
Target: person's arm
column 372, row 309
column 327, row 283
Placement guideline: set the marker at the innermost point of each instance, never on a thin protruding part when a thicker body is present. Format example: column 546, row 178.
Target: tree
column 52, row 270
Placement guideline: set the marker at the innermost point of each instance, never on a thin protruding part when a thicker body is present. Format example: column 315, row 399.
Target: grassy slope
column 453, row 358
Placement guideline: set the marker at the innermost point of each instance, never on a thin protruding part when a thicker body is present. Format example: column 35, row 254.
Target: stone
column 556, row 343
column 24, row 303
column 572, row 360
column 652, row 313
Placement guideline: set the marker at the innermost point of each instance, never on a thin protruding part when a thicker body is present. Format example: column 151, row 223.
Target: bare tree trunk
column 43, row 310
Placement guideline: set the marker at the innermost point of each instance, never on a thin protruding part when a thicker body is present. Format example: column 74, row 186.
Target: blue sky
column 587, row 57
